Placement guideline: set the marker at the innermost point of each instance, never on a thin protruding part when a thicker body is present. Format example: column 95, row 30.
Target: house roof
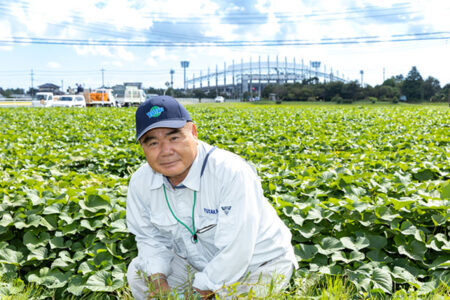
column 48, row 86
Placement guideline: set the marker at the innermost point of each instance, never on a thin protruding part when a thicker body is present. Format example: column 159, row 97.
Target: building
column 49, row 88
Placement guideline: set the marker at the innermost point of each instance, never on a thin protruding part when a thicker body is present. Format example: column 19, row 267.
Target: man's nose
column 166, row 148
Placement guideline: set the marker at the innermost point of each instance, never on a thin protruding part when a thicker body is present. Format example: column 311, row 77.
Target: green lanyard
column 193, row 232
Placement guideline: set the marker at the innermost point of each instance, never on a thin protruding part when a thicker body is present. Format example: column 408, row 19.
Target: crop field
column 365, row 191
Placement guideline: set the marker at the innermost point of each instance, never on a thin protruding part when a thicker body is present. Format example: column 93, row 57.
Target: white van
column 70, row 101
column 133, row 96
column 42, row 99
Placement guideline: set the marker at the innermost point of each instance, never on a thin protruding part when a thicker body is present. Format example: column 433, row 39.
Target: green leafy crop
column 365, row 191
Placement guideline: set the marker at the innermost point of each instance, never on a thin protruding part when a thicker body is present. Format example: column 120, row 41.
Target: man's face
column 171, row 151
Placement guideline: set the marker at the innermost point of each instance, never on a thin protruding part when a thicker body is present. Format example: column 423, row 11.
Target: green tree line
column 412, row 88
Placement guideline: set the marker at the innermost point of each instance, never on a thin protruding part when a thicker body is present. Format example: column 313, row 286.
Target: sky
column 91, row 42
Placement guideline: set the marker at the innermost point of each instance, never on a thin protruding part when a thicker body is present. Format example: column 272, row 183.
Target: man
column 201, row 210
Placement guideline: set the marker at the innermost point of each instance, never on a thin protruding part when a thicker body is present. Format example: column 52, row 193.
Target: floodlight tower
column 316, row 65
column 362, row 76
column 171, row 77
column 184, row 65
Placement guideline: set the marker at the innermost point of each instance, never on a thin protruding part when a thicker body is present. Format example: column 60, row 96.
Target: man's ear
column 194, row 130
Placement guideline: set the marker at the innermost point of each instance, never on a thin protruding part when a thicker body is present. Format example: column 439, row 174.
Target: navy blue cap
column 160, row 111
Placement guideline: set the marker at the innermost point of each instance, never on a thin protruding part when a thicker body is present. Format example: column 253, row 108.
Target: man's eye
column 174, row 138
column 151, row 144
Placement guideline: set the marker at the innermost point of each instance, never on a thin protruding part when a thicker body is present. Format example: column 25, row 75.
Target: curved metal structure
column 252, row 77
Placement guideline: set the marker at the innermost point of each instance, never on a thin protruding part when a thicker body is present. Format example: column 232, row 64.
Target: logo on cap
column 155, row 112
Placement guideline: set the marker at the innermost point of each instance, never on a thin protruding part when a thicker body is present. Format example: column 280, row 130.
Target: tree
column 332, row 89
column 387, row 92
column 350, row 90
column 413, row 85
column 431, row 87
column 198, row 93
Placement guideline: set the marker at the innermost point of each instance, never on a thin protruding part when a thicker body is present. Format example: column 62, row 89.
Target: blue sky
column 68, row 42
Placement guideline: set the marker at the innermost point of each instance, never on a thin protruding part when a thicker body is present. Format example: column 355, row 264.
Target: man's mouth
column 168, row 164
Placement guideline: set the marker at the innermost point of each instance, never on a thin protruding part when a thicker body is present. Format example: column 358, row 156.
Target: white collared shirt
column 245, row 230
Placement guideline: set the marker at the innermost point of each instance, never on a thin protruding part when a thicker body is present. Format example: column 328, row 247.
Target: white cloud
column 116, row 63
column 124, row 54
column 5, row 33
column 94, row 50
column 54, row 65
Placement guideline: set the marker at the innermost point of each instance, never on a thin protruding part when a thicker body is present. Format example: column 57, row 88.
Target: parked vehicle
column 149, row 96
column 70, row 101
column 133, row 96
column 100, row 97
column 42, row 99
column 219, row 99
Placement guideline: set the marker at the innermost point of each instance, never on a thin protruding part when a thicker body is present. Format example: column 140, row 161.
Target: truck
column 100, row 97
column 42, row 99
column 133, row 96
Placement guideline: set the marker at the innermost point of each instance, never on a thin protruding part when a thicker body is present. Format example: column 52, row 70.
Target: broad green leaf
column 51, row 279
column 414, row 250
column 38, row 254
column 305, row 252
column 91, row 224
column 34, row 239
column 407, row 228
column 102, row 281
column 439, row 220
column 442, row 262
column 381, row 279
column 76, row 285
column 355, row 244
column 10, row 256
column 119, row 226
column 86, row 267
column 96, row 203
column 401, row 275
column 378, row 255
column 309, row 229
column 377, row 241
column 445, row 192
column 329, row 245
column 424, row 175
column 6, row 220
column 386, row 213
column 347, row 257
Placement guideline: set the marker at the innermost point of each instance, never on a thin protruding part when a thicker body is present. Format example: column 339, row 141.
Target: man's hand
column 159, row 285
column 205, row 294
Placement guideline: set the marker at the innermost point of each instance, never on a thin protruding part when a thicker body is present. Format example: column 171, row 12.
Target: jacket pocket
column 165, row 224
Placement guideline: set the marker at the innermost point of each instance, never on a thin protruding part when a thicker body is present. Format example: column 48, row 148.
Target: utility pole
column 103, row 78
column 259, row 77
column 225, row 76
column 234, row 87
column 217, row 81
column 32, row 86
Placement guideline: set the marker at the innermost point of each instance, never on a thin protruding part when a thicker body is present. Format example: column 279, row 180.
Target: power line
column 442, row 35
